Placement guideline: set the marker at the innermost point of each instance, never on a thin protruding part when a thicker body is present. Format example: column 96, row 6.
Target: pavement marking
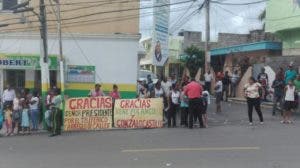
column 190, row 149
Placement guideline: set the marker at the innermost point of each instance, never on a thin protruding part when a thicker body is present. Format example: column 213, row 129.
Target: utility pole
column 44, row 50
column 61, row 58
column 207, row 35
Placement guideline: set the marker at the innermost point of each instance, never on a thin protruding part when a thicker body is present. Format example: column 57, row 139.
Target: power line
column 234, row 14
column 74, row 9
column 179, row 20
column 187, row 19
column 114, row 11
column 238, row 4
column 101, row 20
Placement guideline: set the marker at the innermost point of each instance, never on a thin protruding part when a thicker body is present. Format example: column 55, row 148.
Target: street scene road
column 228, row 142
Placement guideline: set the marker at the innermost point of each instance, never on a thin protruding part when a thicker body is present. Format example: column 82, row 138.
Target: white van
column 144, row 73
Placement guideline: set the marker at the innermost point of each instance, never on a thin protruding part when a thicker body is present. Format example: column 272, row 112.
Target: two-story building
column 100, row 45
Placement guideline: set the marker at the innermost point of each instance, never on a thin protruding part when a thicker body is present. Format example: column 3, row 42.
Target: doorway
column 15, row 78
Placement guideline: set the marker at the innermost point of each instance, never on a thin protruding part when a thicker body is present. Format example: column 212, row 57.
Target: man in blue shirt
column 290, row 74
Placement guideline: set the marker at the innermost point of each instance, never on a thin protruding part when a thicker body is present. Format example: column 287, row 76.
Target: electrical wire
column 101, row 20
column 83, row 53
column 173, row 25
column 188, row 18
column 113, row 11
column 239, row 4
column 72, row 9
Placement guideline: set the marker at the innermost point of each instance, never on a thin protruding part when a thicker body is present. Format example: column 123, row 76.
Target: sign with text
column 89, row 113
column 138, row 113
column 16, row 61
column 81, row 74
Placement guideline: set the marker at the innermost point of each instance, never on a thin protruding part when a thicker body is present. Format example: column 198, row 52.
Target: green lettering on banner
column 18, row 61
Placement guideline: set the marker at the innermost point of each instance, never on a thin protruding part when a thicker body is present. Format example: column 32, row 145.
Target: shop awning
column 249, row 47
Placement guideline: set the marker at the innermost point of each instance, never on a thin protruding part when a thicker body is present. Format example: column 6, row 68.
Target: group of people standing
column 20, row 110
column 286, row 92
column 186, row 98
column 229, row 83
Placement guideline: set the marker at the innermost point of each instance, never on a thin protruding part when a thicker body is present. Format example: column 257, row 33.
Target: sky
column 224, row 18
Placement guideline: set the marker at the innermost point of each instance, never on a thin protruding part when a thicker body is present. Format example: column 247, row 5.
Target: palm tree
column 262, row 18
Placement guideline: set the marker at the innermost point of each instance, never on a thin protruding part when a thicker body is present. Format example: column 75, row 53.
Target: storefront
column 23, row 71
column 240, row 57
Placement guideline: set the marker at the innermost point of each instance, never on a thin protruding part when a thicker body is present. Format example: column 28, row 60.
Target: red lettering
column 72, row 104
column 79, row 104
column 92, row 103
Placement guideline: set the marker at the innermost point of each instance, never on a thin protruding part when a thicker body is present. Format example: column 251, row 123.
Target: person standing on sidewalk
column 263, row 79
column 290, row 74
column 184, row 109
column 289, row 103
column 194, row 93
column 218, row 94
column 297, row 85
column 234, row 83
column 278, row 85
column 226, row 83
column 174, row 100
column 253, row 99
column 97, row 92
column 57, row 113
column 34, row 110
column 208, row 78
column 8, row 96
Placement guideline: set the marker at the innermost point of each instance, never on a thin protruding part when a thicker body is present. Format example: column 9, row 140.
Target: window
column 7, row 4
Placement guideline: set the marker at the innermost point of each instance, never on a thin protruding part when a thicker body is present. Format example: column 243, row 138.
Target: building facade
column 100, row 45
column 282, row 19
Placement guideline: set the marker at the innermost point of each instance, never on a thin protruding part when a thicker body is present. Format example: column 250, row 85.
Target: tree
column 262, row 18
column 195, row 58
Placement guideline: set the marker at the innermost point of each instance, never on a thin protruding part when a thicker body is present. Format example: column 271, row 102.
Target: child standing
column 16, row 115
column 25, row 118
column 8, row 119
column 206, row 102
column 289, row 104
column 218, row 92
column 184, row 108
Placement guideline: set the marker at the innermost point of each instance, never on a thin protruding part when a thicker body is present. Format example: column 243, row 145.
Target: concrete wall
column 226, row 39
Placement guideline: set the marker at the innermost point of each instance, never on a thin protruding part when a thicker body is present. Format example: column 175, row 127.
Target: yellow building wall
column 105, row 17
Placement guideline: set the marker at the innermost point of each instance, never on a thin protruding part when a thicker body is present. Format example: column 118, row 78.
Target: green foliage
column 195, row 58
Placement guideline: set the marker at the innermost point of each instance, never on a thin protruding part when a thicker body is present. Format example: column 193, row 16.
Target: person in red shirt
column 194, row 93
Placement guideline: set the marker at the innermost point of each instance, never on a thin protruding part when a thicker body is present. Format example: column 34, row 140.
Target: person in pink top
column 97, row 92
column 194, row 93
column 115, row 93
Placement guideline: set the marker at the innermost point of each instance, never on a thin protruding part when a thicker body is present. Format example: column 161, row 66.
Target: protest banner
column 90, row 113
column 138, row 113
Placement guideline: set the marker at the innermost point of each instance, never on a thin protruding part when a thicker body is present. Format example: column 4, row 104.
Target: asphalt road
column 228, row 143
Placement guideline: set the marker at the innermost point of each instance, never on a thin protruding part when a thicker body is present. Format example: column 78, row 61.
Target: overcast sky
column 224, row 18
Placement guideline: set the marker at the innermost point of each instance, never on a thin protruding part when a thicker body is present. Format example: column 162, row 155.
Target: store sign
column 25, row 62
column 81, row 74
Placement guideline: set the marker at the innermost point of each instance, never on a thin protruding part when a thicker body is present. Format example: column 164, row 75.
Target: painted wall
column 282, row 15
column 115, row 58
column 93, row 17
